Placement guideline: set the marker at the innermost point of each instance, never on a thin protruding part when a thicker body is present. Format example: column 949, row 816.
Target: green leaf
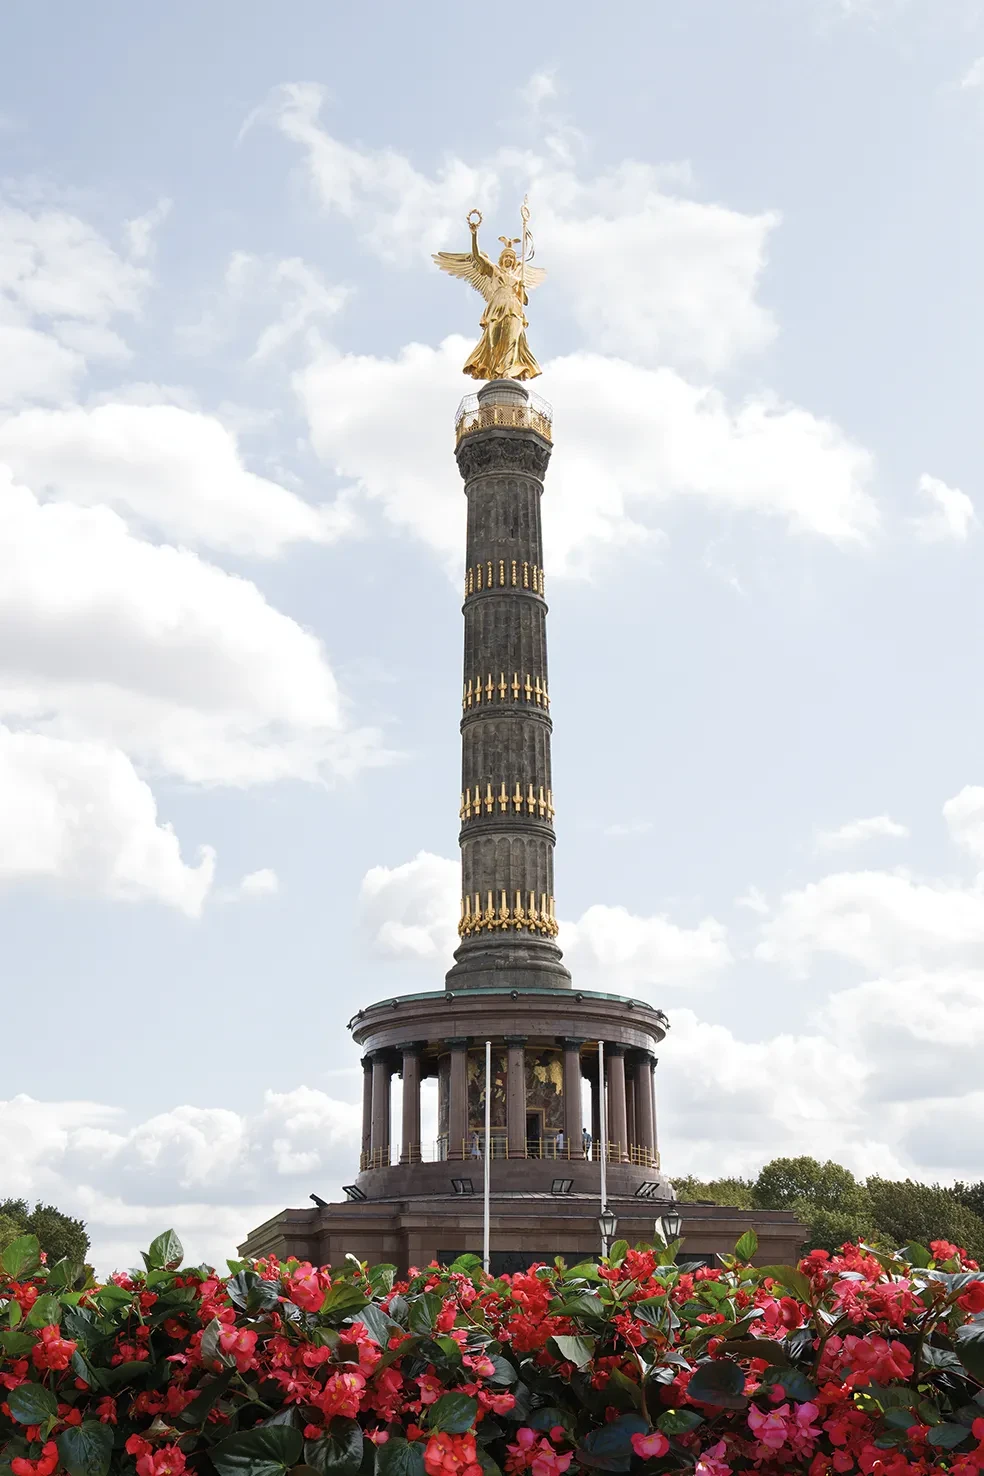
column 22, row 1257
column 794, row 1383
column 504, row 1374
column 205, row 1400
column 64, row 1274
column 454, row 1413
column 166, row 1253
column 209, row 1348
column 720, row 1382
column 339, row 1452
column 585, row 1304
column 378, row 1324
column 381, row 1278
column 969, row 1344
column 547, row 1416
column 792, row 1279
column 746, row 1247
column 609, row 1448
column 30, row 1404
column 763, row 1348
column 266, row 1450
column 342, row 1299
column 617, row 1253
column 86, row 1449
column 110, row 1298
column 947, row 1437
column 578, row 1351
column 652, row 1310
column 46, row 1312
column 583, row 1271
column 424, row 1311
column 679, row 1421
column 467, row 1264
column 14, row 1313
column 14, row 1344
column 398, row 1457
column 628, row 1390
column 917, row 1255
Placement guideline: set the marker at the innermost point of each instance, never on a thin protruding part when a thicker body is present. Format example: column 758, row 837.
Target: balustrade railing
column 473, row 1148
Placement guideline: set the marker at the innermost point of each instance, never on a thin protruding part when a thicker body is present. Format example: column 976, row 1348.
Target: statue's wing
column 462, row 264
column 533, row 276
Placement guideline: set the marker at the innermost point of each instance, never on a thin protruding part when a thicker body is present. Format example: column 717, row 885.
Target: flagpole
column 603, row 1130
column 488, row 1151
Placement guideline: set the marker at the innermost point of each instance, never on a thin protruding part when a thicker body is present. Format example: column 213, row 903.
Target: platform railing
column 472, row 1148
column 535, row 414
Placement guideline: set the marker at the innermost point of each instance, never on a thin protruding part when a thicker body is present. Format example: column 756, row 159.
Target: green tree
column 825, row 1196
column 905, row 1211
column 59, row 1235
column 736, row 1192
column 971, row 1196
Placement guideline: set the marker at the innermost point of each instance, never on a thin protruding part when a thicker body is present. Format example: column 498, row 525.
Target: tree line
column 837, row 1207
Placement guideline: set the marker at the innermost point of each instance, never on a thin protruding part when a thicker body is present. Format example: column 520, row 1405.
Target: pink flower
column 239, row 1346
column 649, row 1447
column 533, row 1452
column 769, row 1428
column 712, row 1462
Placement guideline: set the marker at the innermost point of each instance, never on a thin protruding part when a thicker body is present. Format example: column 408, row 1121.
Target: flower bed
column 858, row 1362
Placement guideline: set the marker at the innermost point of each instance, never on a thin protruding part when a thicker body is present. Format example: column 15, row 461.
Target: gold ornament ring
column 474, row 219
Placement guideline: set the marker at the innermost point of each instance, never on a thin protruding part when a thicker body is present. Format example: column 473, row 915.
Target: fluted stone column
column 573, row 1120
column 366, row 1112
column 410, row 1152
column 645, row 1106
column 515, row 1096
column 617, row 1123
column 458, row 1099
column 508, row 924
column 381, row 1074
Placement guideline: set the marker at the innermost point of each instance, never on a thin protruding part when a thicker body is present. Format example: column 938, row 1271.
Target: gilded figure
column 502, row 351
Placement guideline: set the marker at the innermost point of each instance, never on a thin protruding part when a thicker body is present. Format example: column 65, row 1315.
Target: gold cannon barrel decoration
column 536, row 915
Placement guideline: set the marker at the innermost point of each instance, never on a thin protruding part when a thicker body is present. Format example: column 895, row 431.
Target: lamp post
column 607, row 1224
column 669, row 1225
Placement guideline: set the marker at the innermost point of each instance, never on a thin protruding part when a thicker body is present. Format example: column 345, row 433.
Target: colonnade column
column 380, row 1142
column 617, row 1124
column 458, row 1099
column 645, row 1115
column 366, row 1112
column 573, row 1121
column 410, row 1152
column 516, row 1096
column 597, row 1088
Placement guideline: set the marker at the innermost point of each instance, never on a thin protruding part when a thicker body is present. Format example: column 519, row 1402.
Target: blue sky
column 232, row 539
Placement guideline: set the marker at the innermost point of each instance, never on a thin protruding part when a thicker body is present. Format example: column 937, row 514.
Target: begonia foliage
column 860, row 1361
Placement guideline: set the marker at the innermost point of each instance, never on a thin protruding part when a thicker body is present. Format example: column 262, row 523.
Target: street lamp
column 669, row 1225
column 607, row 1224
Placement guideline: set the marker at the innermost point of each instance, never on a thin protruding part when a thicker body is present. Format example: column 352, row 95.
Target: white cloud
column 974, row 76
column 262, row 883
column 211, row 1173
column 140, row 231
column 167, row 468
column 952, row 515
column 856, row 832
column 888, row 922
column 253, row 287
column 77, row 813
column 644, row 954
column 645, row 272
column 412, row 909
column 964, row 816
column 105, row 638
column 61, row 284
column 628, row 440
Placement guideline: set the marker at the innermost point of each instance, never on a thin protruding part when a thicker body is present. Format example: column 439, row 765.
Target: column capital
column 410, row 1047
column 367, row 1061
column 515, row 1040
column 458, row 1042
column 569, row 1043
column 613, row 1048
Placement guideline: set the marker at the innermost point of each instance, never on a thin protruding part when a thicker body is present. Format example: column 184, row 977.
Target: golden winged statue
column 502, row 351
